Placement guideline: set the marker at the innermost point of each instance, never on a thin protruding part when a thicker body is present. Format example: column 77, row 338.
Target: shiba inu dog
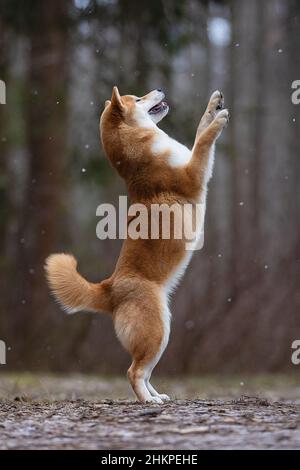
column 156, row 169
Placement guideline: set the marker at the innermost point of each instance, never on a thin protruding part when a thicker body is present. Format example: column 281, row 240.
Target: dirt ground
column 78, row 412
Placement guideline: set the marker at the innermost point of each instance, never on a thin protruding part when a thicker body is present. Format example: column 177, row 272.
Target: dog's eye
column 138, row 99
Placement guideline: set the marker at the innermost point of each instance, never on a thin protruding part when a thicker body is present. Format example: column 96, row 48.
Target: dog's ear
column 116, row 99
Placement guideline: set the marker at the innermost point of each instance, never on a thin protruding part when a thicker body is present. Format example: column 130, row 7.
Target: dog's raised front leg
column 216, row 103
column 200, row 166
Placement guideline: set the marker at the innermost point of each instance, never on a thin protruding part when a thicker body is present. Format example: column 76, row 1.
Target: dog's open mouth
column 158, row 108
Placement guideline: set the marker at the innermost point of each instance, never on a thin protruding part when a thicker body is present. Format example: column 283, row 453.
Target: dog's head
column 142, row 111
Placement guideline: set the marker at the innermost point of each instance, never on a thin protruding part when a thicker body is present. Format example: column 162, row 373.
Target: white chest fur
column 178, row 154
column 191, row 246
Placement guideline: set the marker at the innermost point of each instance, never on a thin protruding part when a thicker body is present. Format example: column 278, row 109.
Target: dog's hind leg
column 166, row 317
column 154, row 393
column 137, row 374
column 142, row 325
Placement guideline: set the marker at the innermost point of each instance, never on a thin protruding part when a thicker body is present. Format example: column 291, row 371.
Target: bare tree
column 46, row 131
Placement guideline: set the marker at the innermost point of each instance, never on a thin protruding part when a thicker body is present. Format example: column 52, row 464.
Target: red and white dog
column 157, row 170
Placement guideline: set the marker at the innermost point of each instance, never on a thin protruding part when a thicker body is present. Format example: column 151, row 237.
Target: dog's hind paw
column 164, row 397
column 154, row 400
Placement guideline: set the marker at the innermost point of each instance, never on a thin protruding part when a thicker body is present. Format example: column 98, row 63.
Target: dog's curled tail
column 71, row 290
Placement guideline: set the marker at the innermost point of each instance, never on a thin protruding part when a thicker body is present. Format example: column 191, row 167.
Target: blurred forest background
column 238, row 306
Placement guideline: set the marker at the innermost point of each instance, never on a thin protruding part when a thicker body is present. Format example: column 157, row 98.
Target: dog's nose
column 159, row 89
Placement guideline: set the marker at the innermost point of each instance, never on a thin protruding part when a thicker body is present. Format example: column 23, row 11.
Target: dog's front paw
column 223, row 117
column 216, row 102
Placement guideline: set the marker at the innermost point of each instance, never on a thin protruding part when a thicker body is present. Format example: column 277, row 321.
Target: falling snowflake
column 189, row 324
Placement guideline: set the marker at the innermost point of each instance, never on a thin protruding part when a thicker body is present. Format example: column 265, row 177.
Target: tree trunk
column 46, row 132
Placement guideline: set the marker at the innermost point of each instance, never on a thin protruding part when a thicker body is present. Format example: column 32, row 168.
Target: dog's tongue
column 158, row 107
